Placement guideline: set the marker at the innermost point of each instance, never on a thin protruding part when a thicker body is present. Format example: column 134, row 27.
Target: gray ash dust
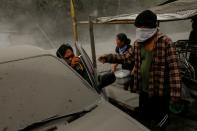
column 47, row 24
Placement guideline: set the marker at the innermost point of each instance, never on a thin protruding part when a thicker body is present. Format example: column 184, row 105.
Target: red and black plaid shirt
column 164, row 70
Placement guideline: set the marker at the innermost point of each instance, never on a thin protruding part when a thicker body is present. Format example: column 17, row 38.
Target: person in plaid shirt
column 156, row 71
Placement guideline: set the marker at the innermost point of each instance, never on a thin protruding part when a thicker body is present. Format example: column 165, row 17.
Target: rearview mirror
column 106, row 79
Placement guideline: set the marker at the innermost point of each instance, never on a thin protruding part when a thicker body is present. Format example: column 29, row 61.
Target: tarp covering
column 178, row 10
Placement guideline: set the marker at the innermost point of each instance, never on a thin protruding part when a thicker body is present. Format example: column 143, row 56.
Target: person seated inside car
column 66, row 52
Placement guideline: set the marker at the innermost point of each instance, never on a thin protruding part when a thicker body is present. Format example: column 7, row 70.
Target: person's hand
column 75, row 60
column 114, row 67
column 102, row 59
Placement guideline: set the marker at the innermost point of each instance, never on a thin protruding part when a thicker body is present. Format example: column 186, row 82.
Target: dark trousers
column 153, row 111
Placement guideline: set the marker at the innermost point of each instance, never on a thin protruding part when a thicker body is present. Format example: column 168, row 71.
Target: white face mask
column 143, row 34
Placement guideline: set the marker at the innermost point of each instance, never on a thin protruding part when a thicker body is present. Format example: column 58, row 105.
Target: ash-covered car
column 38, row 91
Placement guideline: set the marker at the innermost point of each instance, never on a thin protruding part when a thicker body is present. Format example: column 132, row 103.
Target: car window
column 88, row 65
column 38, row 88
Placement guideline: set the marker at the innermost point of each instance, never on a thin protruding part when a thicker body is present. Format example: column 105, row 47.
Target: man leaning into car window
column 66, row 52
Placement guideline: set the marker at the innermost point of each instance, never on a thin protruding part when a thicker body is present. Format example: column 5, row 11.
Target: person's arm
column 174, row 71
column 114, row 67
column 118, row 58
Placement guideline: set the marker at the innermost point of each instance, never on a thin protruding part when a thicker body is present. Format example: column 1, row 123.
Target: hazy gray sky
column 47, row 22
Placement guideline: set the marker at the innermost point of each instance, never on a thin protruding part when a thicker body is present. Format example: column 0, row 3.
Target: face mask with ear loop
column 143, row 34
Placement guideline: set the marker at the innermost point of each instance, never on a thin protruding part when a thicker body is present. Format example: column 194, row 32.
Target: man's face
column 69, row 54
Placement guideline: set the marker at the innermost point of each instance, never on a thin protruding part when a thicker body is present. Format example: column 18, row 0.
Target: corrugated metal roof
column 178, row 10
column 177, row 6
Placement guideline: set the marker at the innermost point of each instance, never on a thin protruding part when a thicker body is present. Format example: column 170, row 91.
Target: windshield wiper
column 73, row 116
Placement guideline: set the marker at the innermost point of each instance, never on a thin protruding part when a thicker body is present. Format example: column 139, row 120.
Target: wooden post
column 92, row 42
column 74, row 23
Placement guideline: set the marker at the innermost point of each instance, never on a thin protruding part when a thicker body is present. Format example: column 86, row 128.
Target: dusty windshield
column 39, row 88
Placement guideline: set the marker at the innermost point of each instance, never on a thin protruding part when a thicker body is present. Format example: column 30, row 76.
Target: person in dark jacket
column 193, row 34
column 193, row 41
column 66, row 52
column 122, row 47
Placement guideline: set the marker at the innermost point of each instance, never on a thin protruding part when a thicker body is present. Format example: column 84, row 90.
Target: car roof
column 20, row 52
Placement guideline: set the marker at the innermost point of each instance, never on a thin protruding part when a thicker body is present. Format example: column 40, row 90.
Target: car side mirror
column 105, row 79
